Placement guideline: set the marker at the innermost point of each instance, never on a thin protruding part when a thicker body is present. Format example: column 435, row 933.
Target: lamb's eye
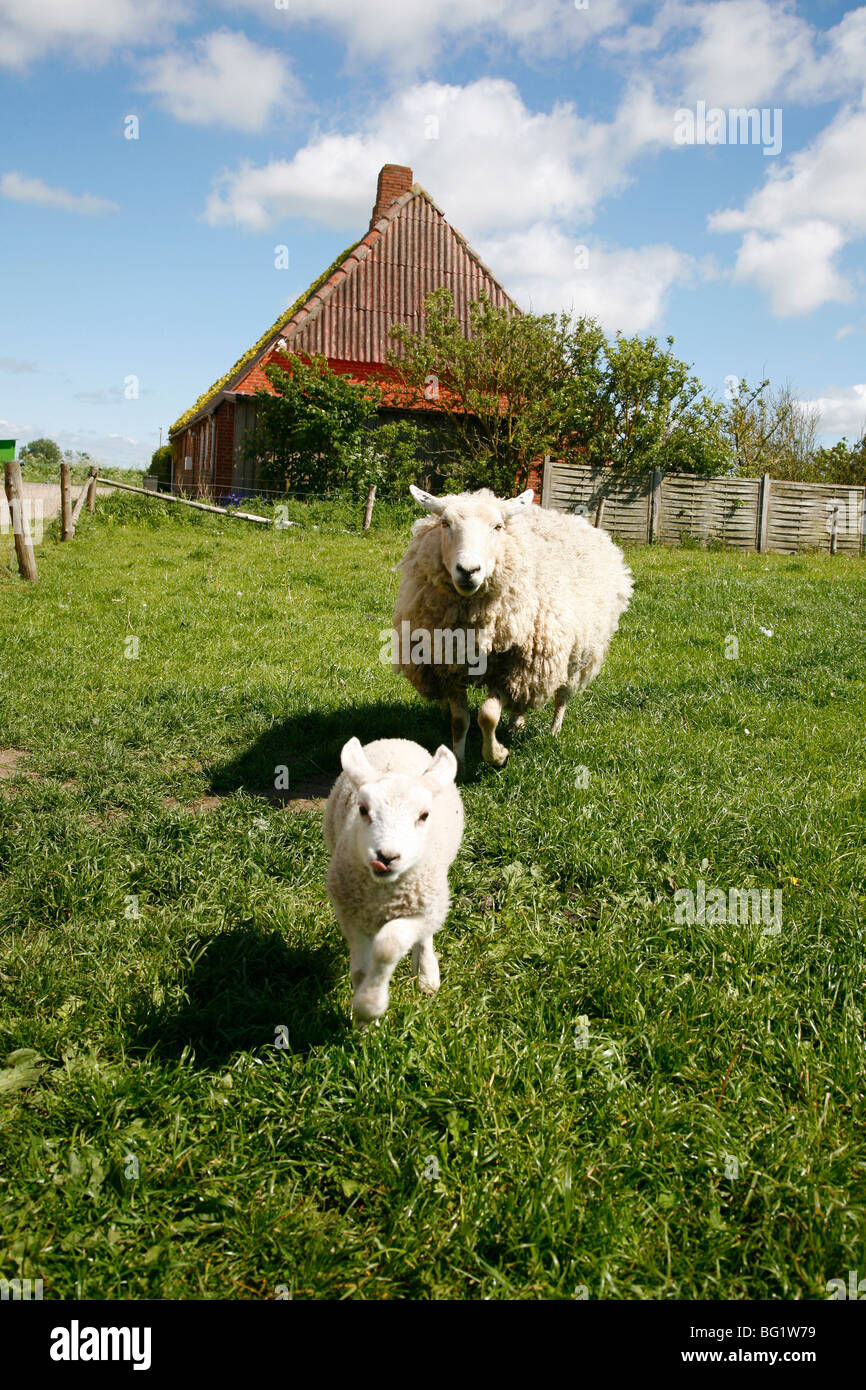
column 365, row 810
column 498, row 526
column 423, row 815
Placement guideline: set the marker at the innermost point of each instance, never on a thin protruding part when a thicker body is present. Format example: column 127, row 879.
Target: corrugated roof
column 382, row 280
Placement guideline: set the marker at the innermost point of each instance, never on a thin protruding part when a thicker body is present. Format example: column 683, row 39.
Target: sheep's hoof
column 498, row 759
column 517, row 722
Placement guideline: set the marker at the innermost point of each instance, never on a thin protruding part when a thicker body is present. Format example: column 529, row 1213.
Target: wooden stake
column 20, row 522
column 170, row 497
column 599, row 513
column 66, row 531
column 368, row 510
column 91, row 491
column 81, row 500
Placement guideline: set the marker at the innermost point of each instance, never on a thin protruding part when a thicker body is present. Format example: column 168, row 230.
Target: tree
column 771, row 431
column 42, row 451
column 657, row 415
column 843, row 463
column 160, row 464
column 522, row 386
column 500, row 388
column 307, row 429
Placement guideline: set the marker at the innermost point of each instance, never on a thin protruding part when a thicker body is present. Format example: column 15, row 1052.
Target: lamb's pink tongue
column 379, row 866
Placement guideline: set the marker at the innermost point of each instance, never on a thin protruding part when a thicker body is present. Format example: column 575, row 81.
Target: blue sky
column 546, row 130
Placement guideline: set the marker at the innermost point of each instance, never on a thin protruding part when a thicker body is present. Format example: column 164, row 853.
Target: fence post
column 65, row 502
column 91, row 491
column 655, row 505
column 546, row 481
column 20, row 522
column 368, row 510
column 834, row 529
column 82, row 496
column 762, row 539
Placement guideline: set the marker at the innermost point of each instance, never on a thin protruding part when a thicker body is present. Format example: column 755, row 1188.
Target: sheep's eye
column 365, row 810
column 498, row 526
column 423, row 815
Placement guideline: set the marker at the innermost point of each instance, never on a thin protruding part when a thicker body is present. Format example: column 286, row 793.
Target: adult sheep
column 518, row 598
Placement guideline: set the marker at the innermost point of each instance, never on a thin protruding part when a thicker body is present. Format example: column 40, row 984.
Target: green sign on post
column 7, row 450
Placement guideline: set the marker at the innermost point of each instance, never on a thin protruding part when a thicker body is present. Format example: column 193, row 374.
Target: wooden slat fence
column 740, row 513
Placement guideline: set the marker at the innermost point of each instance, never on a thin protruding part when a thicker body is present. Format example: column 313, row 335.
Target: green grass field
column 599, row 1099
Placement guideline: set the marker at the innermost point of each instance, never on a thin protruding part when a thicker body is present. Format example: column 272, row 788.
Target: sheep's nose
column 386, row 859
column 467, row 571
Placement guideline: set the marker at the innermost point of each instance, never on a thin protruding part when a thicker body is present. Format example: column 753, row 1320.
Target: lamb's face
column 391, row 831
column 472, row 536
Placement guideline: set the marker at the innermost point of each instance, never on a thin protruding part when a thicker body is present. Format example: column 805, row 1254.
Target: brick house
column 408, row 250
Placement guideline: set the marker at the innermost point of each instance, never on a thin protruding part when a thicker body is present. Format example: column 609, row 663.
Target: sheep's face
column 393, row 816
column 391, row 823
column 472, row 529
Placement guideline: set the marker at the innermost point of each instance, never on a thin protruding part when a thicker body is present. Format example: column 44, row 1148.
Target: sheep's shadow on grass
column 246, row 990
column 308, row 745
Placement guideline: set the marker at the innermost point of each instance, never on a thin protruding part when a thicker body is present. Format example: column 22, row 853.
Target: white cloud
column 222, row 79
column 486, row 158
column 87, row 29
column 845, row 331
column 744, row 52
column 795, row 267
column 410, row 34
column 625, row 288
column 843, row 411
column 18, row 366
column 801, row 217
column 21, row 189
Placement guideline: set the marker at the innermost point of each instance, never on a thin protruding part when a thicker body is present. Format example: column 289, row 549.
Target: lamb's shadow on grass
column 245, row 987
column 309, row 745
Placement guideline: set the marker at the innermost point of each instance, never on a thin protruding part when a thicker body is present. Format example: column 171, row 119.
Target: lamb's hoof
column 517, row 723
column 428, row 987
column 368, row 1008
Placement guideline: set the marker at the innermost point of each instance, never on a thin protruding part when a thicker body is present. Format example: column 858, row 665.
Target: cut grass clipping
column 602, row 1100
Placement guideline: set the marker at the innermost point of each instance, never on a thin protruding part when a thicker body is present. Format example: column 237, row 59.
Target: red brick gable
column 384, row 279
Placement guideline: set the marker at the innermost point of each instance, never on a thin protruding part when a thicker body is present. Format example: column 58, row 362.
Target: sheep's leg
column 517, row 722
column 561, row 699
column 359, row 958
column 425, row 965
column 459, row 730
column 488, row 719
column 387, row 948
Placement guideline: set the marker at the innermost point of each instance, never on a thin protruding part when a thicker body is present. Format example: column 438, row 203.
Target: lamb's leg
column 426, row 966
column 459, row 730
column 359, row 954
column 387, row 948
column 488, row 719
column 517, row 722
column 561, row 699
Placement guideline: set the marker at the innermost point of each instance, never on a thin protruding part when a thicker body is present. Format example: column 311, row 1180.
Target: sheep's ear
column 442, row 770
column 436, row 505
column 355, row 764
column 515, row 504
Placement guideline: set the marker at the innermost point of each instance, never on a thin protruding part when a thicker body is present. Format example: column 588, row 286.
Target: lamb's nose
column 386, row 859
column 468, row 571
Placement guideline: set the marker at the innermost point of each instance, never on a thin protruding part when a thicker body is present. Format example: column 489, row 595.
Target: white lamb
column 539, row 593
column 393, row 824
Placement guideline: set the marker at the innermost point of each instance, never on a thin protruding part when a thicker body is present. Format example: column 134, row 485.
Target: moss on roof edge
column 183, row 420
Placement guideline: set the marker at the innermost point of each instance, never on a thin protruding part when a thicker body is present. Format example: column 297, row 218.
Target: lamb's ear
column 515, row 504
column 355, row 764
column 436, row 505
column 442, row 770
